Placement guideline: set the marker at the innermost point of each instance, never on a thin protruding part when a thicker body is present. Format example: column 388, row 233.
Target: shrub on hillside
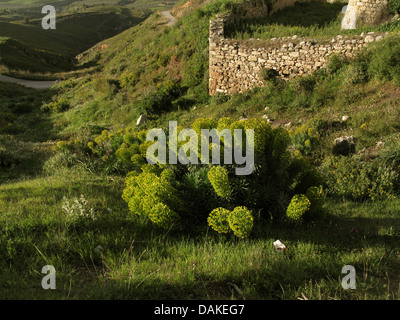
column 218, row 220
column 305, row 140
column 60, row 105
column 394, row 6
column 360, row 180
column 63, row 159
column 241, row 221
column 195, row 190
column 335, row 63
column 161, row 100
column 298, row 206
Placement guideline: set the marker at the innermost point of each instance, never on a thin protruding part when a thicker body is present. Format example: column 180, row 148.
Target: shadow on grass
column 24, row 135
column 316, row 252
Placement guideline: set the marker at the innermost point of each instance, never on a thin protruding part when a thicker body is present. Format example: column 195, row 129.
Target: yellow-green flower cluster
column 153, row 196
column 298, row 206
column 127, row 79
column 304, row 138
column 219, row 179
column 168, row 174
column 359, row 180
column 240, row 220
column 71, row 144
column 218, row 220
column 161, row 215
column 133, row 149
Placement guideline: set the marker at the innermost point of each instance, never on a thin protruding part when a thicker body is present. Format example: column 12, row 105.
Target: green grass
column 77, row 29
column 313, row 20
column 73, row 34
column 139, row 261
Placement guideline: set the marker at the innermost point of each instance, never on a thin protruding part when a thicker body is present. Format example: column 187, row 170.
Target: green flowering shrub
column 161, row 215
column 169, row 194
column 220, row 181
column 359, row 180
column 60, row 105
column 356, row 73
column 110, row 152
column 298, row 206
column 153, row 196
column 128, row 79
column 305, row 139
column 218, row 220
column 241, row 222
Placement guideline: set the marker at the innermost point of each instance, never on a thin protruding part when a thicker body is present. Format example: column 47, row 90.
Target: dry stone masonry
column 235, row 66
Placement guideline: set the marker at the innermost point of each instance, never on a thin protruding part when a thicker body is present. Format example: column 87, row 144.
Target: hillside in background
column 16, row 56
column 79, row 26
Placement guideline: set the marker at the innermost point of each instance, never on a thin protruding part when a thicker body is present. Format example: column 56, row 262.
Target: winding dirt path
column 171, row 19
column 35, row 84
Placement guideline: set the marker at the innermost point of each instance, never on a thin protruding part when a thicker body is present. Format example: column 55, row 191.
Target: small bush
column 218, row 220
column 241, row 222
column 161, row 99
column 60, row 105
column 298, row 206
column 268, row 74
column 359, row 180
column 153, row 196
column 163, row 60
column 128, row 79
column 305, row 139
column 355, row 73
column 220, row 181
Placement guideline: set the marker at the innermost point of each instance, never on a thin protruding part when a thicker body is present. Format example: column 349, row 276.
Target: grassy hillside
column 16, row 56
column 65, row 152
column 73, row 33
column 77, row 29
column 312, row 19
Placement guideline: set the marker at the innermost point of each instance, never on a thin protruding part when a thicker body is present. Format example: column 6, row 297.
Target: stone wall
column 235, row 66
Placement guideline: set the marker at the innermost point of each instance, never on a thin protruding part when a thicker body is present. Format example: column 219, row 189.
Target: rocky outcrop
column 366, row 12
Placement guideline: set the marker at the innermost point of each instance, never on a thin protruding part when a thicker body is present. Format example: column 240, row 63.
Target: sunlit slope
column 73, row 33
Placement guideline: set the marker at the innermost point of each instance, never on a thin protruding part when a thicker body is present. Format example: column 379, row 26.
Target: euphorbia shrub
column 192, row 195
